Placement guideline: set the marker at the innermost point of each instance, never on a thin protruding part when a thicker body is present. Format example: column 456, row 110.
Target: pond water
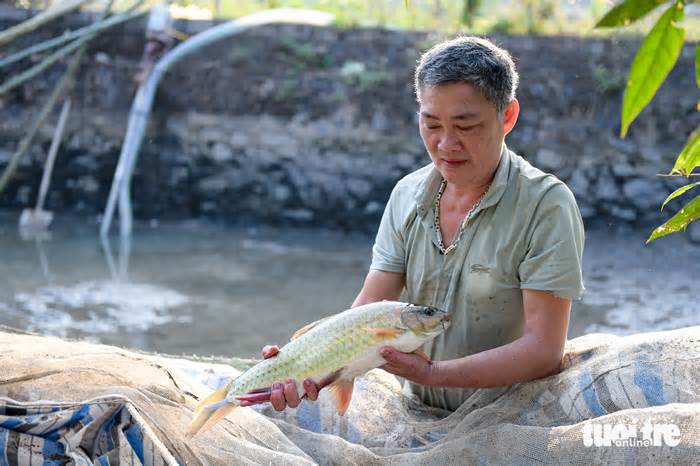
column 199, row 288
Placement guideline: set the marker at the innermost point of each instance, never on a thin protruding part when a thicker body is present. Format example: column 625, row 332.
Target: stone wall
column 313, row 126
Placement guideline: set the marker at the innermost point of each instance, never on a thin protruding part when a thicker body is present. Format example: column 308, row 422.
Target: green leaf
column 654, row 60
column 405, row 4
column 689, row 213
column 678, row 192
column 627, row 12
column 689, row 158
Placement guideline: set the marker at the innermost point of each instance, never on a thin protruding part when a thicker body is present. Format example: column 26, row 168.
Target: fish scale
column 331, row 351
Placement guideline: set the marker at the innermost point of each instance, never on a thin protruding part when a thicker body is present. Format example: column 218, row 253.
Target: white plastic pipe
column 141, row 108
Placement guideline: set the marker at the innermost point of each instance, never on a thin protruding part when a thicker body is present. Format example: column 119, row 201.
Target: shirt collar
column 429, row 186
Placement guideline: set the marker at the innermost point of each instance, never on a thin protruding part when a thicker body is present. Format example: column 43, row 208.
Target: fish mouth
column 445, row 321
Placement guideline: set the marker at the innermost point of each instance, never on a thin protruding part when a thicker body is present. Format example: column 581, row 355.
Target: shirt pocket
column 481, row 280
column 493, row 298
column 490, row 288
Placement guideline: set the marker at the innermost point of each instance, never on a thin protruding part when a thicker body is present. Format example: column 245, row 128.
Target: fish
column 332, row 352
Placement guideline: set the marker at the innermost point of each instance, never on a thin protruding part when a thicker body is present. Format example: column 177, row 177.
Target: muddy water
column 197, row 288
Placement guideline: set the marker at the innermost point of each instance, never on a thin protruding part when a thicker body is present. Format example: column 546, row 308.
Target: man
column 479, row 232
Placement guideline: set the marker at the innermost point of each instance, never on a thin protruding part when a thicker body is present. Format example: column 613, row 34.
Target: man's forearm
column 378, row 286
column 522, row 360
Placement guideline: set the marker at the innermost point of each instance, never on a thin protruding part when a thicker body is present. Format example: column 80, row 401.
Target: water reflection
column 193, row 287
column 120, row 273
column 184, row 288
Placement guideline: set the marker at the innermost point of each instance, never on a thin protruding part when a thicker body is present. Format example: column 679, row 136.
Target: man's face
column 463, row 132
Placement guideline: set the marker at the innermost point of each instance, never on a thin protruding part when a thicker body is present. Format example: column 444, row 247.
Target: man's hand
column 410, row 366
column 285, row 394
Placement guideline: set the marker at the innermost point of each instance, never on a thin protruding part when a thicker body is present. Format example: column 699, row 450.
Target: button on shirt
column 527, row 233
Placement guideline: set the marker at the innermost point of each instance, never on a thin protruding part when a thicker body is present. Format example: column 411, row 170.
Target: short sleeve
column 554, row 253
column 388, row 250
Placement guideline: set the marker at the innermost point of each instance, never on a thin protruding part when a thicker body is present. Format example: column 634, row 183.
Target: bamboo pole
column 56, row 10
column 24, row 145
column 62, row 86
column 67, row 37
column 28, row 74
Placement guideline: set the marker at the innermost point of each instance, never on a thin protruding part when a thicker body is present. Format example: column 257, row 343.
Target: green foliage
column 287, row 89
column 240, row 54
column 469, row 10
column 689, row 158
column 607, row 81
column 538, row 13
column 627, row 12
column 304, row 54
column 359, row 76
column 446, row 16
column 679, row 192
column 503, row 26
column 654, row 60
column 680, row 221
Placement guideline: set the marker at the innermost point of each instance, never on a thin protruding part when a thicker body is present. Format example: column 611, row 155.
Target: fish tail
column 210, row 411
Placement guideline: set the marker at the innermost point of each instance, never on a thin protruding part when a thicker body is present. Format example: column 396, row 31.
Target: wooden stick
column 48, row 168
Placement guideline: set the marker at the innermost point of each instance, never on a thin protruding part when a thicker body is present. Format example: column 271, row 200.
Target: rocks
column 281, row 193
column 88, row 184
column 606, row 189
column 331, row 150
column 579, row 184
column 644, row 194
column 332, row 172
column 652, row 154
column 587, row 211
column 213, row 134
column 213, row 185
column 358, row 187
column 549, row 160
column 5, row 156
column 221, row 153
column 303, row 215
column 623, row 213
column 623, row 170
column 374, row 208
column 694, row 232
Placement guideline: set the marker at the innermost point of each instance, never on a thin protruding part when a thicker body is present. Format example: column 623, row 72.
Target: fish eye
column 429, row 311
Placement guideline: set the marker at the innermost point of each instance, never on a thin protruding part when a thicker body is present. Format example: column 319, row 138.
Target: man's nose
column 449, row 142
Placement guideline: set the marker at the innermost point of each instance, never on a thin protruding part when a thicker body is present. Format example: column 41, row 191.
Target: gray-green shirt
column 527, row 233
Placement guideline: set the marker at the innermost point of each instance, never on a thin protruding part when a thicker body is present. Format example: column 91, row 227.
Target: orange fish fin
column 330, row 378
column 215, row 397
column 420, row 352
column 385, row 333
column 341, row 390
column 306, row 328
column 208, row 417
column 209, row 411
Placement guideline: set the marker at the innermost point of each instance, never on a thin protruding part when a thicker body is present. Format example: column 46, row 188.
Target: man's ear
column 510, row 116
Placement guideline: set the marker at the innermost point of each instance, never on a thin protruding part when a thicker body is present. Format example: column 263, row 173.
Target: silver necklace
column 452, row 246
